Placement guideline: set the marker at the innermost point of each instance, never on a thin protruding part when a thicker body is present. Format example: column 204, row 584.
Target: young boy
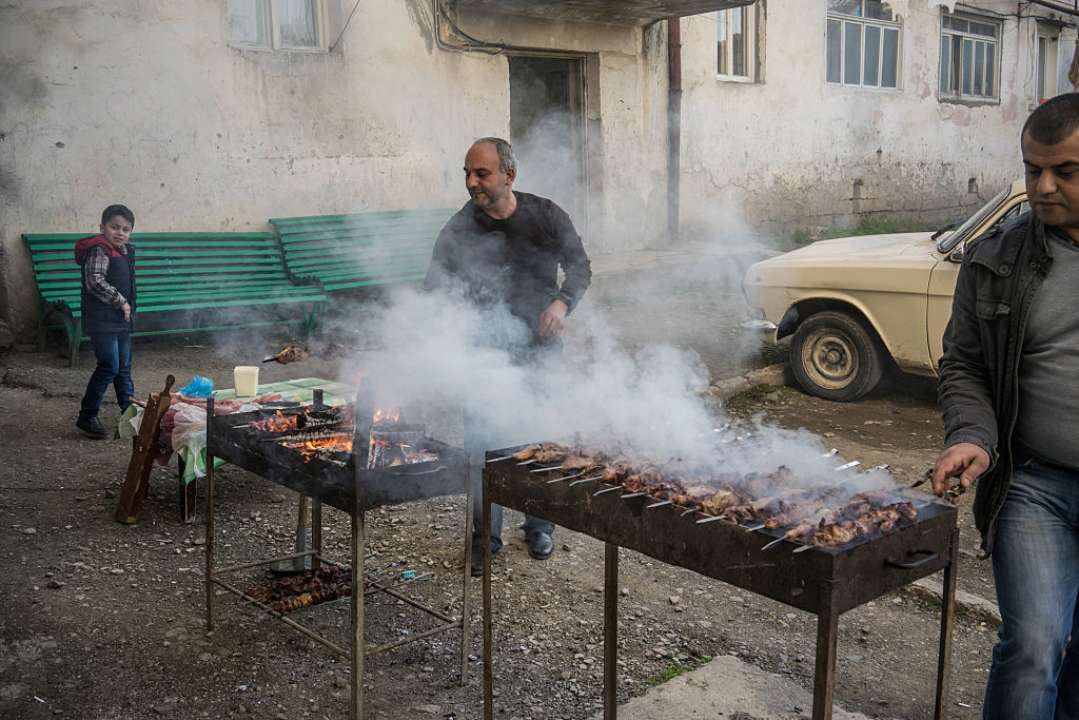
column 108, row 305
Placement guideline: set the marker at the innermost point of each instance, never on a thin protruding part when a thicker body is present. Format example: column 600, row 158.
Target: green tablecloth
column 192, row 451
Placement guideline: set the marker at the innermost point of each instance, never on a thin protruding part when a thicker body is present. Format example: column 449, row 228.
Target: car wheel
column 833, row 356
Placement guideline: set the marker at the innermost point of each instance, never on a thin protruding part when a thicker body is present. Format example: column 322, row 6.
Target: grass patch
column 677, row 668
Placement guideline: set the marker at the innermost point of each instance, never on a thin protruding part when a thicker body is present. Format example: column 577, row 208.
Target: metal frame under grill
column 826, row 581
column 341, row 482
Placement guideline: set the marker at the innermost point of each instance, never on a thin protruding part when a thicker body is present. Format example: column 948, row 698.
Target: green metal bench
column 346, row 252
column 190, row 279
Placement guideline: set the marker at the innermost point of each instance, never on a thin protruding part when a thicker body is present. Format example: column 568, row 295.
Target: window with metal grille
column 862, row 44
column 736, row 35
column 969, row 57
column 275, row 24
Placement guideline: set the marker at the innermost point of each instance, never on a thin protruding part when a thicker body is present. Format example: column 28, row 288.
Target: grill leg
column 610, row 632
column 209, row 522
column 947, row 617
column 488, row 676
column 316, row 532
column 827, row 639
column 358, row 649
column 466, row 579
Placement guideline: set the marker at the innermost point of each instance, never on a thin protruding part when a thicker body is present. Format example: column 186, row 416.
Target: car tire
column 833, row 356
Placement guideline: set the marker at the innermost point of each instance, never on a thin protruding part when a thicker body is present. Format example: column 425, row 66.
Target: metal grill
column 823, row 580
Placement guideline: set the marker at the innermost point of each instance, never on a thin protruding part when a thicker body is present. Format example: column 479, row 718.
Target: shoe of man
column 540, row 545
column 92, row 427
column 477, row 561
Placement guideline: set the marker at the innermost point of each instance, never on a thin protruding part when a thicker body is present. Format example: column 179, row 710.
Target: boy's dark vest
column 99, row 318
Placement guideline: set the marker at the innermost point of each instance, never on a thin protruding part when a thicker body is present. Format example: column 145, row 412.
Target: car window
column 948, row 242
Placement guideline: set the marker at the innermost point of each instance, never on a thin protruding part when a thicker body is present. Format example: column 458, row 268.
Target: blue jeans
column 1035, row 672
column 113, row 353
column 477, row 443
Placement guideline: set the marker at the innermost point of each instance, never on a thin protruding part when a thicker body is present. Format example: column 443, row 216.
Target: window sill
column 870, row 88
column 277, row 51
column 967, row 102
column 737, row 79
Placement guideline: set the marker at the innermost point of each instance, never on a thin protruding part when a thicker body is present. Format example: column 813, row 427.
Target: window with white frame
column 969, row 57
column 275, row 24
column 736, row 36
column 862, row 44
column 1048, row 38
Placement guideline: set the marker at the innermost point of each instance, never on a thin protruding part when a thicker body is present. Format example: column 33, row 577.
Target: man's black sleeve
column 573, row 259
column 964, row 390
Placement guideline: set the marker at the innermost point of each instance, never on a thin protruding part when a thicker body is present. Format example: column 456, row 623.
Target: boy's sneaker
column 92, row 427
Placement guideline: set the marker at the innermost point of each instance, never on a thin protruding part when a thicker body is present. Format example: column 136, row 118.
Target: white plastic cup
column 246, row 378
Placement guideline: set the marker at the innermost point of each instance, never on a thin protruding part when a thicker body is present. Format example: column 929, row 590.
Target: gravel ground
column 106, row 621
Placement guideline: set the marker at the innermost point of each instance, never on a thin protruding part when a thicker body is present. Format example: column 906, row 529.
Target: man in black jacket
column 1011, row 356
column 503, row 250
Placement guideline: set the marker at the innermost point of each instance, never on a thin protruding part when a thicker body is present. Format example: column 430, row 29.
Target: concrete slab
column 726, row 689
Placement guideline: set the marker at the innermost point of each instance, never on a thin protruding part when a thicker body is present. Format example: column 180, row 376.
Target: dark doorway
column 547, row 130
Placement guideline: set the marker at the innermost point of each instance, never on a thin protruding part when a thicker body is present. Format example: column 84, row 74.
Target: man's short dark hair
column 113, row 210
column 1054, row 120
column 506, row 158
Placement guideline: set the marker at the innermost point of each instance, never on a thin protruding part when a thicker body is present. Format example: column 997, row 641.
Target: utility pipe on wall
column 674, row 126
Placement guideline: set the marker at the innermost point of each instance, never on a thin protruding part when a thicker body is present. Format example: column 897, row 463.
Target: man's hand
column 966, row 461
column 126, row 307
column 550, row 321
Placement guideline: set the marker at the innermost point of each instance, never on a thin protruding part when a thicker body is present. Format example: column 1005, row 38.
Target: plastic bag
column 199, row 387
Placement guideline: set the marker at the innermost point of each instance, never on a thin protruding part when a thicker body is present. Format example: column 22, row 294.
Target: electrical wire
column 347, row 22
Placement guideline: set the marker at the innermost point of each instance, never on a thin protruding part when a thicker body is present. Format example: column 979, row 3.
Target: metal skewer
column 605, row 490
column 659, row 504
column 752, row 528
column 547, row 469
column 804, row 548
column 710, row 518
column 499, row 459
column 594, row 478
column 527, row 462
column 634, row 495
column 848, row 466
column 564, row 479
column 775, row 542
column 688, row 511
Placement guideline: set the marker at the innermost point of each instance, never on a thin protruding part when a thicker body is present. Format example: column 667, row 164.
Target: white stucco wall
column 147, row 104
column 785, row 153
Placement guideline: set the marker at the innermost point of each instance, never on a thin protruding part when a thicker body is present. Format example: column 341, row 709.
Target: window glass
column 945, row 57
column 835, row 44
column 986, row 29
column 968, row 74
column 872, row 56
column 845, row 7
column 247, row 22
column 297, row 21
column 979, row 67
column 890, row 65
column 721, row 35
column 738, row 42
column 990, row 70
column 852, row 62
column 878, row 10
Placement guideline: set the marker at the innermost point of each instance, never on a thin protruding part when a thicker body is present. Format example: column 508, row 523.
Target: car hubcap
column 830, row 359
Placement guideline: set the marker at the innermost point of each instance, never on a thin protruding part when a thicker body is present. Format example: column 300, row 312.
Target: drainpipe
column 674, row 125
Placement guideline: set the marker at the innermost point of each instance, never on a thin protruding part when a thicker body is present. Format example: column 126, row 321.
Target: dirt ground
column 103, row 620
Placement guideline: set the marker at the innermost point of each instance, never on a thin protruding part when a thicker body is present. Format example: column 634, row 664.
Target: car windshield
column 949, row 241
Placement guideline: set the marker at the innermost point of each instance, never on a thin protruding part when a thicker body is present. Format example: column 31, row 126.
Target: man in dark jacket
column 1011, row 356
column 503, row 250
column 108, row 303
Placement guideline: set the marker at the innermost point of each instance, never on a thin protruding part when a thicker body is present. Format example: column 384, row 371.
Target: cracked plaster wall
column 790, row 151
column 147, row 104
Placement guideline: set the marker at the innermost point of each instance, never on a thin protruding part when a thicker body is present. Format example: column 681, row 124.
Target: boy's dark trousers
column 113, row 353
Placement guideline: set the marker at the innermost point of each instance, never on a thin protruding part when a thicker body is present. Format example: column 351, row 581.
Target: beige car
column 851, row 303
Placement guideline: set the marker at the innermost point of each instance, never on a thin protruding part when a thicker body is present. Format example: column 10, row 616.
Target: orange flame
column 278, row 422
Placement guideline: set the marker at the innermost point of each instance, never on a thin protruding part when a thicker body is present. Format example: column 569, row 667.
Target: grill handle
column 927, row 556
